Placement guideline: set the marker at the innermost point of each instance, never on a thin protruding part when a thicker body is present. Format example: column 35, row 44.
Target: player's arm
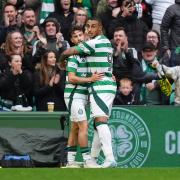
column 68, row 52
column 72, row 78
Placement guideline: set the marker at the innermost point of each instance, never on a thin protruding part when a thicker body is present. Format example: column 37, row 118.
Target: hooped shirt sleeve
column 72, row 64
column 87, row 47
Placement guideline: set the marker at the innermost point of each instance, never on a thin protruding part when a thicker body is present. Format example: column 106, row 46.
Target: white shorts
column 77, row 109
column 101, row 105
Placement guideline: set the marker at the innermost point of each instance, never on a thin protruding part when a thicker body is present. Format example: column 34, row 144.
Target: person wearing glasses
column 80, row 17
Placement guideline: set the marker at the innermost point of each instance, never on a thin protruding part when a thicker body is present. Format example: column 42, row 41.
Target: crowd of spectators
column 34, row 33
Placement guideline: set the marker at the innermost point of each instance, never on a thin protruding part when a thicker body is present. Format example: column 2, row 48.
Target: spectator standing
column 150, row 92
column 9, row 22
column 52, row 40
column 153, row 37
column 111, row 13
column 122, row 61
column 126, row 63
column 15, row 82
column 136, row 29
column 49, row 84
column 80, row 17
column 64, row 15
column 29, row 28
column 15, row 45
column 144, row 12
column 88, row 5
column 17, row 3
column 158, row 9
column 170, row 33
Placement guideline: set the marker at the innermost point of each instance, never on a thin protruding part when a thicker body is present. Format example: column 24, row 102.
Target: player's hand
column 96, row 76
column 114, row 78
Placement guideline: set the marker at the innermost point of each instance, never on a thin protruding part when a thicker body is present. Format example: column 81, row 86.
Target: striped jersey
column 99, row 55
column 77, row 65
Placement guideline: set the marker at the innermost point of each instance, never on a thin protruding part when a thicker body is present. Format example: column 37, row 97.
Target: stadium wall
column 142, row 136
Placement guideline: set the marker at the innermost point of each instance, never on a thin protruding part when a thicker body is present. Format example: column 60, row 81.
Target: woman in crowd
column 49, row 83
column 15, row 83
column 80, row 17
column 14, row 44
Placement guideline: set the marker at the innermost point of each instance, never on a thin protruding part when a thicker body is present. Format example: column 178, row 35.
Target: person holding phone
column 136, row 29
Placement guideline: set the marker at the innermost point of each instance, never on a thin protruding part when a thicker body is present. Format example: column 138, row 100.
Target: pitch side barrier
column 142, row 136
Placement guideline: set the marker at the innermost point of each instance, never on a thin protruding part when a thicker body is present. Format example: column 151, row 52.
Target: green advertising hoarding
column 142, row 136
column 145, row 136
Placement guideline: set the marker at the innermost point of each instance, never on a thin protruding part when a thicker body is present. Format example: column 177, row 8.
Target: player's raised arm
column 68, row 52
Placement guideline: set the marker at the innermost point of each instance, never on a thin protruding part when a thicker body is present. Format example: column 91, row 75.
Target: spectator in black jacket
column 52, row 40
column 49, row 84
column 14, row 82
column 9, row 22
column 170, row 33
column 122, row 66
column 125, row 94
column 136, row 29
column 126, row 64
column 64, row 15
column 15, row 45
column 29, row 28
column 112, row 11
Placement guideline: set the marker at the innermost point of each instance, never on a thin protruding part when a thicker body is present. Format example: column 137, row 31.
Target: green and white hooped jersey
column 99, row 55
column 78, row 65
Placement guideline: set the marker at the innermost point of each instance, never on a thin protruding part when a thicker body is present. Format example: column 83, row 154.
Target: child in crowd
column 125, row 94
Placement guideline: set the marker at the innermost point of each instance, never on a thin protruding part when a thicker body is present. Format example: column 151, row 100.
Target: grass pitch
column 89, row 174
